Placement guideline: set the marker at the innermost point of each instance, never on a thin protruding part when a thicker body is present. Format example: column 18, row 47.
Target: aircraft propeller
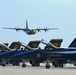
column 38, row 29
column 46, row 29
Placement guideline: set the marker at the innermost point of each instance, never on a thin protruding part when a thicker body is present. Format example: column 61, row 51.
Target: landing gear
column 47, row 64
column 61, row 65
column 75, row 64
column 57, row 63
column 23, row 64
column 37, row 64
column 3, row 63
column 47, row 61
column 15, row 63
column 34, row 63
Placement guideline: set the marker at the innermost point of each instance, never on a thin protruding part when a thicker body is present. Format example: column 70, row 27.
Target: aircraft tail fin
column 26, row 24
column 55, row 42
column 15, row 45
column 73, row 43
column 34, row 44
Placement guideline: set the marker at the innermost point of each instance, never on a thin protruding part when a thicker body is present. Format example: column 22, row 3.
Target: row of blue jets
column 51, row 52
column 14, row 48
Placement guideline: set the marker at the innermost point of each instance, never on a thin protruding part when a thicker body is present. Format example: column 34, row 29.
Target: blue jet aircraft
column 5, row 56
column 58, row 56
column 31, row 46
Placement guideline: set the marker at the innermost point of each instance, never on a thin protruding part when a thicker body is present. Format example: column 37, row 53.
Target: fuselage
column 40, row 54
column 8, row 54
column 30, row 32
column 60, row 53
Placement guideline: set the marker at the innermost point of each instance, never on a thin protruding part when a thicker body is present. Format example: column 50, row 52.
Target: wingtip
column 3, row 27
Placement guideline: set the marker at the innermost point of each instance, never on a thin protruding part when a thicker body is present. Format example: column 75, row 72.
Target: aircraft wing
column 46, row 29
column 17, row 29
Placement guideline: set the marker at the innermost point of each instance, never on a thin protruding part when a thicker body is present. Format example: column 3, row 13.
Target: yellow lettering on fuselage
column 38, row 55
column 55, row 55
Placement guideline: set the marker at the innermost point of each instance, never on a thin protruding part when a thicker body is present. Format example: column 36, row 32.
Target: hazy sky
column 39, row 13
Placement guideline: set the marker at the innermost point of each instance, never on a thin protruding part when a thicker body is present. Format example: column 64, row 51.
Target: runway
column 29, row 70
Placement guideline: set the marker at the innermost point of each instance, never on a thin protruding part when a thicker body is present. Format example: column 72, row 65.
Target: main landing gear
column 57, row 63
column 47, row 61
column 34, row 63
column 3, row 63
column 47, row 64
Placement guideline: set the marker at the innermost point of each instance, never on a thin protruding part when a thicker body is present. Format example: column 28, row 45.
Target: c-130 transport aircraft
column 30, row 31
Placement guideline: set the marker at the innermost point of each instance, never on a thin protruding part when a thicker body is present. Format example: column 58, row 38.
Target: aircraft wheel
column 23, row 65
column 55, row 63
column 37, row 64
column 17, row 64
column 75, row 64
column 61, row 65
column 3, row 65
column 33, row 63
column 13, row 63
column 47, row 66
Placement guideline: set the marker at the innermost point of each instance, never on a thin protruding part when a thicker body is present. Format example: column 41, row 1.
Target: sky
column 40, row 14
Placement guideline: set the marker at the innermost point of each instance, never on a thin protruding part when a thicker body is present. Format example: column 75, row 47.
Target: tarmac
column 29, row 70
